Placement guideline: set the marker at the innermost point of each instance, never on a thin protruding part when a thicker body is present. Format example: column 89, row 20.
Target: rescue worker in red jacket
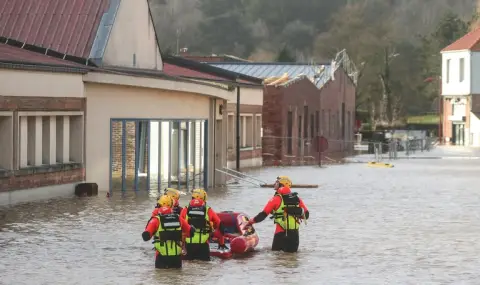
column 175, row 194
column 166, row 229
column 288, row 211
column 205, row 221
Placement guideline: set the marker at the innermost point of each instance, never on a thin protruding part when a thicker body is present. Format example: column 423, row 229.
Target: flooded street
column 417, row 223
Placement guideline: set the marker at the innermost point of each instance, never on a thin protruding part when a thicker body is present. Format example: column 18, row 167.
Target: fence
column 278, row 151
column 393, row 149
column 290, row 151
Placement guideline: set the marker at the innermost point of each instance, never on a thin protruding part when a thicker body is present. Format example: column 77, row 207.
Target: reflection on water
column 416, row 223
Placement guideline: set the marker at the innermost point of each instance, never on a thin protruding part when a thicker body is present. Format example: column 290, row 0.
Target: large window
column 289, row 132
column 155, row 154
column 49, row 138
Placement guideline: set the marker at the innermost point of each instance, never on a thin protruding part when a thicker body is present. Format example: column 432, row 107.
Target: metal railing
column 241, row 176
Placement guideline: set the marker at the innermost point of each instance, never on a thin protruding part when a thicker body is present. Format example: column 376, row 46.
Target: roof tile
column 14, row 54
column 470, row 41
column 65, row 26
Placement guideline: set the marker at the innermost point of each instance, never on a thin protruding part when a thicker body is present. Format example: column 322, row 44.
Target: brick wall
column 130, row 149
column 11, row 103
column 278, row 101
column 447, row 124
column 255, row 152
column 44, row 175
column 33, row 178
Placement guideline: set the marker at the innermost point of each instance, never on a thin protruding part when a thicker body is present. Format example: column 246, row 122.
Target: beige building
column 103, row 110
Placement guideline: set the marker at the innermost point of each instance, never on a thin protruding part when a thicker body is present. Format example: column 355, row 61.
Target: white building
column 461, row 90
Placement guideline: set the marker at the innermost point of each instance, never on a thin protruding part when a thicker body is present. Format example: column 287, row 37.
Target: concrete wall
column 474, row 129
column 475, row 72
column 451, row 83
column 36, row 96
column 129, row 102
column 40, row 84
column 132, row 42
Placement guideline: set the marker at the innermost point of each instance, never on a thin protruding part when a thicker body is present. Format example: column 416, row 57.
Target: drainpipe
column 238, row 130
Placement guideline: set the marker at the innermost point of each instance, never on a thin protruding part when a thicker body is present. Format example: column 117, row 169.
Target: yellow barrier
column 380, row 164
column 293, row 186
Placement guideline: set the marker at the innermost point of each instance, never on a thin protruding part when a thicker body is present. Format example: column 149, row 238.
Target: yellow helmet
column 199, row 194
column 284, row 181
column 165, row 201
column 172, row 192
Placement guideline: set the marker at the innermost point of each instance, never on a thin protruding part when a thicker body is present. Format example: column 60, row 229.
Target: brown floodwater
column 417, row 223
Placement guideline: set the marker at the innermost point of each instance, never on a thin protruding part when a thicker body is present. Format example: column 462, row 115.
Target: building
column 461, row 90
column 80, row 103
column 251, row 102
column 301, row 103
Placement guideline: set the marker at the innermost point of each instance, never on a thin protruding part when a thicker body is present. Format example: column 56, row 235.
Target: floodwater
column 417, row 223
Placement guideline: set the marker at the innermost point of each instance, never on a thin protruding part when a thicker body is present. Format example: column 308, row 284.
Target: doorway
column 458, row 131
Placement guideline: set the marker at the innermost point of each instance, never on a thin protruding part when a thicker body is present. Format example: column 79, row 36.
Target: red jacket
column 213, row 217
column 273, row 205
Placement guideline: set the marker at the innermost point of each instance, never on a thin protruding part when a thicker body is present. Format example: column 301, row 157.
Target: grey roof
column 103, row 33
column 265, row 70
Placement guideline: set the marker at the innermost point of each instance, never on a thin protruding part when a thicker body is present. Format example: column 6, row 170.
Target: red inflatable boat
column 240, row 237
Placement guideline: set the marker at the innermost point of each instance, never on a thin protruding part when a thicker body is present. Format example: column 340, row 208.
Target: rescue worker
column 166, row 229
column 205, row 221
column 175, row 194
column 288, row 211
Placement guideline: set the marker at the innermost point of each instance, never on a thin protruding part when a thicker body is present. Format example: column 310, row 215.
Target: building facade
column 301, row 103
column 101, row 109
column 461, row 91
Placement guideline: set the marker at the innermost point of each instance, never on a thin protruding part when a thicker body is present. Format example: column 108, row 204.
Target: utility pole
column 238, row 129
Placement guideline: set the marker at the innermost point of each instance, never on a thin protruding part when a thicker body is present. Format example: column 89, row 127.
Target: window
column 343, row 121
column 51, row 138
column 317, row 120
column 305, row 124
column 323, row 121
column 258, row 130
column 289, row 132
column 299, row 131
column 448, row 71
column 6, row 141
column 462, row 69
column 312, row 125
column 231, row 131
column 249, row 130
column 328, row 122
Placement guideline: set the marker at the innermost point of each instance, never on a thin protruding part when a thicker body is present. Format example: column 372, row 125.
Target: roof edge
column 268, row 63
column 147, row 73
column 47, row 52
column 23, row 65
column 154, row 30
column 207, row 68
